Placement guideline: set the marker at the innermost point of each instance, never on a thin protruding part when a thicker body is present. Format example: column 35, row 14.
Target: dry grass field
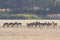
column 24, row 33
column 29, row 34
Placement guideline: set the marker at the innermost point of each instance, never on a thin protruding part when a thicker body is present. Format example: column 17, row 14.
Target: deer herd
column 32, row 24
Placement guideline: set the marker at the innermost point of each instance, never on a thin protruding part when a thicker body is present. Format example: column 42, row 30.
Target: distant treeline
column 31, row 6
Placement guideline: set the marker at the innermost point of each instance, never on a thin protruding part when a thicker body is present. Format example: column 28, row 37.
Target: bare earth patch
column 29, row 34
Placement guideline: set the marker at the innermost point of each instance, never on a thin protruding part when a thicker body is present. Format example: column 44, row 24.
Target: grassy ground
column 19, row 16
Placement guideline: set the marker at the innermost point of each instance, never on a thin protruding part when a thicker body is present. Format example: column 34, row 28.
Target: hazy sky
column 57, row 0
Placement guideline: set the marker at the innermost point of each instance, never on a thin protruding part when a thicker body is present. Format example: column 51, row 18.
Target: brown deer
column 5, row 25
column 29, row 24
column 49, row 24
column 17, row 24
column 54, row 24
column 12, row 24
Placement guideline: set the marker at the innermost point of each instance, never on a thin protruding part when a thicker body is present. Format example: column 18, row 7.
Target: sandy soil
column 29, row 34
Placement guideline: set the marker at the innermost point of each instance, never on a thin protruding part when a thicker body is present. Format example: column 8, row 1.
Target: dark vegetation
column 18, row 5
column 27, row 6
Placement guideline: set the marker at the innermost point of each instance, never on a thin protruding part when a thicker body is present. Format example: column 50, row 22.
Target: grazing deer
column 5, row 25
column 43, row 24
column 49, row 24
column 10, row 24
column 18, row 24
column 29, row 24
column 15, row 24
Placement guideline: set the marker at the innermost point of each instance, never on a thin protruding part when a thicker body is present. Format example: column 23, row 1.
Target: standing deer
column 54, row 24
